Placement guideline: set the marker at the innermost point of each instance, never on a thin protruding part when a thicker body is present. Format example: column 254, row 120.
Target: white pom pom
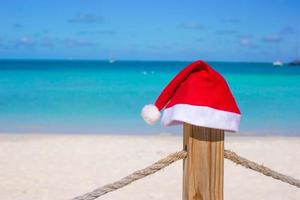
column 150, row 114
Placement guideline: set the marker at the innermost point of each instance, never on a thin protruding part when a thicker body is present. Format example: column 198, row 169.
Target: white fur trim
column 150, row 114
column 201, row 116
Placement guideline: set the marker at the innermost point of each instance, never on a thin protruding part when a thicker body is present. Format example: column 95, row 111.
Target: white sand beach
column 39, row 166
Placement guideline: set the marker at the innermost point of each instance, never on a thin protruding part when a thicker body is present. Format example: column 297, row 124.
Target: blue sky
column 232, row 30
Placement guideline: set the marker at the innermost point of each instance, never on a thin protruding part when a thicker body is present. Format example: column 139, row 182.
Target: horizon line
column 122, row 60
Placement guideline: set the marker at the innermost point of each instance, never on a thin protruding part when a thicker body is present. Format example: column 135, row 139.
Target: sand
column 39, row 166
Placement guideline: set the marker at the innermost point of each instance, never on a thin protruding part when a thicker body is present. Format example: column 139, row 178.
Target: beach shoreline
column 61, row 166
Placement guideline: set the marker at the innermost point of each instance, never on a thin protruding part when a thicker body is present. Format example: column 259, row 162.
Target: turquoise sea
column 57, row 96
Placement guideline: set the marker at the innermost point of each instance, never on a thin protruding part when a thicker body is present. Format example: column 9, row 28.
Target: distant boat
column 278, row 63
column 295, row 62
column 111, row 60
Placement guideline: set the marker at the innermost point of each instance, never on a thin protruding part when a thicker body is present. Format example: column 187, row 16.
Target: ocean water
column 48, row 96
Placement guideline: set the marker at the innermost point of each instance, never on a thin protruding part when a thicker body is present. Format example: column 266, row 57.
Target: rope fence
column 178, row 156
column 133, row 177
column 260, row 168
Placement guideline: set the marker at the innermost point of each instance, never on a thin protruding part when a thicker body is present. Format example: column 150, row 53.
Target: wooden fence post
column 203, row 169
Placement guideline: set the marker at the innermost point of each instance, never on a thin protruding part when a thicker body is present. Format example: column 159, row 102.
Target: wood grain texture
column 203, row 169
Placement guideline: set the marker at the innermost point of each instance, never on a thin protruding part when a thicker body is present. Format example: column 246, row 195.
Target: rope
column 178, row 156
column 260, row 168
column 134, row 176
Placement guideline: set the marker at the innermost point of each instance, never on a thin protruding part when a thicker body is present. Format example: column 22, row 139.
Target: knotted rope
column 178, row 156
column 260, row 168
column 134, row 176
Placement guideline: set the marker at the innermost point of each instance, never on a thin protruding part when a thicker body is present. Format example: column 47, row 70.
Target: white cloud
column 288, row 30
column 85, row 18
column 227, row 32
column 245, row 41
column 77, row 43
column 191, row 25
column 272, row 38
column 231, row 20
column 97, row 32
column 24, row 42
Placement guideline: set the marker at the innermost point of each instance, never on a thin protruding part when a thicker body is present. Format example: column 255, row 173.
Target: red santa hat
column 198, row 95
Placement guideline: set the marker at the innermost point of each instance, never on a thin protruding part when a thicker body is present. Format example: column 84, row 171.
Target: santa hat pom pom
column 150, row 114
